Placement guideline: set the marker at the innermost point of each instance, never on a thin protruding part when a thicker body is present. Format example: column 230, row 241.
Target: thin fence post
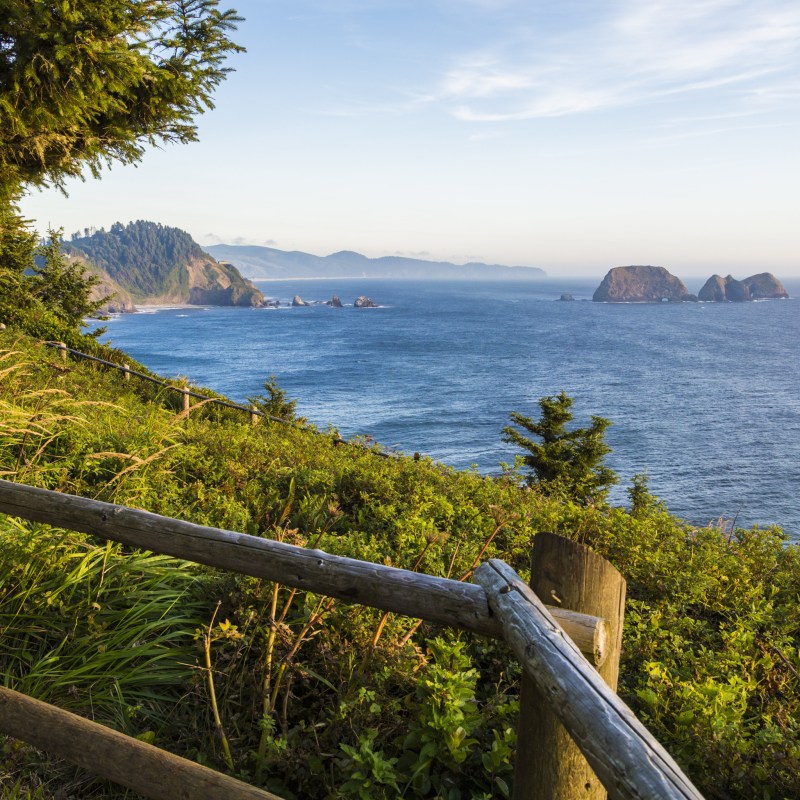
column 572, row 577
column 185, row 393
column 253, row 415
column 126, row 372
column 62, row 350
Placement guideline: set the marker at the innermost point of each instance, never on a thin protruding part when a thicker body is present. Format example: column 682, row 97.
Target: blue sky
column 570, row 135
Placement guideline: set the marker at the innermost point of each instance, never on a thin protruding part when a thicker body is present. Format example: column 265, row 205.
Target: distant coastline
column 271, row 263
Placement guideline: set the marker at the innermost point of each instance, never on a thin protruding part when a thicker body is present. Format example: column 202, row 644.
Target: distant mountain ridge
column 269, row 262
column 159, row 264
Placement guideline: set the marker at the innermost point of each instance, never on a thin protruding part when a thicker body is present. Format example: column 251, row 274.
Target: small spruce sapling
column 563, row 461
column 276, row 403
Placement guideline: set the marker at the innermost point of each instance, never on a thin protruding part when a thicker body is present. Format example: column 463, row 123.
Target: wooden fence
column 187, row 394
column 576, row 738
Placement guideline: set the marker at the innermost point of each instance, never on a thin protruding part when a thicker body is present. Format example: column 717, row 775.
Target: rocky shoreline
column 362, row 301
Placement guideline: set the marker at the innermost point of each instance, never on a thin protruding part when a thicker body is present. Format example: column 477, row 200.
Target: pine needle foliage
column 566, row 462
column 83, row 84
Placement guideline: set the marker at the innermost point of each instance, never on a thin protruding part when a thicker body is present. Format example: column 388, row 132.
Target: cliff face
column 157, row 264
column 640, row 284
column 757, row 287
column 217, row 283
column 117, row 300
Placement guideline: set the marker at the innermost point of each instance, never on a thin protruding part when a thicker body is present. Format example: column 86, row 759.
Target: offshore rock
column 765, row 286
column 298, row 301
column 364, row 302
column 724, row 290
column 714, row 290
column 335, row 302
column 757, row 287
column 641, row 284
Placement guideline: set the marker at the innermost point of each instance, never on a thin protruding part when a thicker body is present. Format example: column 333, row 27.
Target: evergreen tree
column 276, row 403
column 84, row 83
column 564, row 461
column 17, row 245
column 63, row 285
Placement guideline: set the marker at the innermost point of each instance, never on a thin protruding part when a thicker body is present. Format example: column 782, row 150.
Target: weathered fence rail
column 185, row 391
column 628, row 761
column 414, row 594
column 146, row 769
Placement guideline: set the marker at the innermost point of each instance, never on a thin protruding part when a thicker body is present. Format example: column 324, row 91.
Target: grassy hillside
column 321, row 699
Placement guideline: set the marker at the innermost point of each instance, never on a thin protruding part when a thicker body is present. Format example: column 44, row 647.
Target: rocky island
column 764, row 286
column 646, row 284
column 641, row 284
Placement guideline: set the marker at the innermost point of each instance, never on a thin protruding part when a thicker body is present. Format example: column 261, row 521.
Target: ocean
column 704, row 398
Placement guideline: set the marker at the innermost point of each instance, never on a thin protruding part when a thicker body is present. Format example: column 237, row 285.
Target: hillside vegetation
column 321, row 699
column 156, row 263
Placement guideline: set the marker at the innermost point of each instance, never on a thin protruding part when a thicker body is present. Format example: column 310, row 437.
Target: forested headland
column 157, row 263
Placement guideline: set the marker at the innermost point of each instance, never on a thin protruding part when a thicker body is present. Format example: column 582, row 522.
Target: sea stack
column 764, row 286
column 641, row 284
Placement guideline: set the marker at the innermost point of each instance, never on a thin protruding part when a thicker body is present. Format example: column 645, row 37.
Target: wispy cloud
column 640, row 53
column 213, row 238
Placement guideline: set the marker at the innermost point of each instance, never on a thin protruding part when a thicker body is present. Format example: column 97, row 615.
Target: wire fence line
column 187, row 393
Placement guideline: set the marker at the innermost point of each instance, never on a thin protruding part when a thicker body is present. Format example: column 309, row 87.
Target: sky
column 572, row 135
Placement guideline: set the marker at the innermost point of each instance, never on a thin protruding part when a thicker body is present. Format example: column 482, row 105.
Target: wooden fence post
column 62, row 350
column 126, row 372
column 570, row 576
column 253, row 415
column 185, row 393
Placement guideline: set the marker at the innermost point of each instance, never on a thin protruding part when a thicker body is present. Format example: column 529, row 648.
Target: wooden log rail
column 146, row 769
column 446, row 602
column 629, row 762
column 127, row 372
column 627, row 759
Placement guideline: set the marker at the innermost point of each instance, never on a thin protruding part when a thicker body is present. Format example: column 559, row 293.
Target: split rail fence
column 576, row 738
